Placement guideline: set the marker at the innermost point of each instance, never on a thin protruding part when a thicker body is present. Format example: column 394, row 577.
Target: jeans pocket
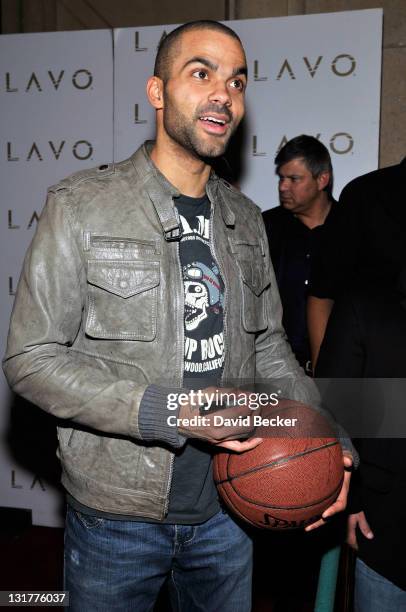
column 88, row 520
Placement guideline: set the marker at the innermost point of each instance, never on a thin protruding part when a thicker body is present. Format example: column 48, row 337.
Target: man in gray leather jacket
column 103, row 326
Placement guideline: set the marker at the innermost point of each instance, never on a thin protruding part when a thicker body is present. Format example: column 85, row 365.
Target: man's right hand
column 354, row 521
column 236, row 420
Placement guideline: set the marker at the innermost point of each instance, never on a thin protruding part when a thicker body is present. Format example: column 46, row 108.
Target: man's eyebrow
column 197, row 59
column 201, row 60
column 243, row 70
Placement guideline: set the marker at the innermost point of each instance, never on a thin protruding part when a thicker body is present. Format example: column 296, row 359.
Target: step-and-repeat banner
column 56, row 102
column 315, row 74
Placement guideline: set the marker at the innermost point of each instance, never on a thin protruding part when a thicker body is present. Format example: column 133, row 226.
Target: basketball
column 288, row 480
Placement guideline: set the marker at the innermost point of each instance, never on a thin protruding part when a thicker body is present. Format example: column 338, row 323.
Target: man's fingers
column 338, row 506
column 240, row 447
column 315, row 525
column 364, row 526
column 340, row 503
column 347, row 459
column 354, row 520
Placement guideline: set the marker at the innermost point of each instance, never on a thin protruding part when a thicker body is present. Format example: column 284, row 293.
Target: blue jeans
column 121, row 565
column 374, row 593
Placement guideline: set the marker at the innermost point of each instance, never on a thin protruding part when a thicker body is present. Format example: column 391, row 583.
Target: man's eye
column 200, row 74
column 237, row 84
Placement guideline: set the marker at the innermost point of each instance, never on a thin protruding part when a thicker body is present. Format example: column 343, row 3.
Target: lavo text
column 81, row 79
column 81, row 150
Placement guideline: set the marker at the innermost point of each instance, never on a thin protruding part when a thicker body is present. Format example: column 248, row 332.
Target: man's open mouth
column 211, row 119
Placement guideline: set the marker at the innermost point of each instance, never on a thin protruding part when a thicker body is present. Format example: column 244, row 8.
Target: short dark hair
column 313, row 153
column 169, row 43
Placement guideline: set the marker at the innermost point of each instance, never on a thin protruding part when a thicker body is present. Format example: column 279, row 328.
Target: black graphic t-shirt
column 193, row 497
column 204, row 294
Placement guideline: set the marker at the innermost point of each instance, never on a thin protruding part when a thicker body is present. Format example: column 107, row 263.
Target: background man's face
column 298, row 189
column 204, row 95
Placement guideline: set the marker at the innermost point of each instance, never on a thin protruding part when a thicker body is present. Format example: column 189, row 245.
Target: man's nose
column 220, row 93
column 283, row 185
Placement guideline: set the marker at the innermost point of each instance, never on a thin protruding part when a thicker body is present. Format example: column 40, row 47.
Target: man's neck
column 187, row 173
column 317, row 214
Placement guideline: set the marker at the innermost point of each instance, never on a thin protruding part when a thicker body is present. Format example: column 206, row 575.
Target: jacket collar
column 217, row 189
column 162, row 192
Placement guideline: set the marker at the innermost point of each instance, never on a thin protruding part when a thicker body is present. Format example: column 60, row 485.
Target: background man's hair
column 313, row 153
column 170, row 43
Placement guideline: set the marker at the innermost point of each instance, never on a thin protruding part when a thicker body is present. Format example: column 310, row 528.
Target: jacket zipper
column 106, row 238
column 181, row 367
column 216, row 260
column 116, row 243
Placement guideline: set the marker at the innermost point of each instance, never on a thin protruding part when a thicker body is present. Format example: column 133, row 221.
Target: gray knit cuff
column 153, row 416
column 347, row 445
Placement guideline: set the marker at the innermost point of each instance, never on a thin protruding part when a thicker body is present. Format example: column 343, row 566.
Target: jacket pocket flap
column 254, row 274
column 123, row 278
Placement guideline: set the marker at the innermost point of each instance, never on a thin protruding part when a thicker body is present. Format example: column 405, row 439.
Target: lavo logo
column 137, row 119
column 35, row 481
column 11, row 290
column 81, row 79
column 81, row 150
column 137, row 41
column 340, row 143
column 137, row 45
column 13, row 226
column 342, row 65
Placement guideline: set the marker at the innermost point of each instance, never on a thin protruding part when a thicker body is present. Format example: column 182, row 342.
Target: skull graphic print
column 203, row 291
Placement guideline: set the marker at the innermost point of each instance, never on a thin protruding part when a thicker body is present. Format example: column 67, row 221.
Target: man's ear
column 155, row 89
column 323, row 180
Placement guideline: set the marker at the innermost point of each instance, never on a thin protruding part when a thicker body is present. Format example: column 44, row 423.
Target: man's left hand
column 341, row 501
column 240, row 446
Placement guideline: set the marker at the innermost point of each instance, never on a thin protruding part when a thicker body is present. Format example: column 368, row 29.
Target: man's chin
column 210, row 151
column 212, row 146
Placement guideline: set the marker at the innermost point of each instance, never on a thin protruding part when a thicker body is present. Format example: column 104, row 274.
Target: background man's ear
column 323, row 180
column 155, row 92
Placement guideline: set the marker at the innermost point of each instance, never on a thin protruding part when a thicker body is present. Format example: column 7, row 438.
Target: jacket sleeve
column 47, row 314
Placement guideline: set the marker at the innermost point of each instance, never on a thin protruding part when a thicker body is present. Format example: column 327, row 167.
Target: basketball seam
column 313, row 503
column 275, row 463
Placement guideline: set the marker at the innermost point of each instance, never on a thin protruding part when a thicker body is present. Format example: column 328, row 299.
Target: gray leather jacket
column 98, row 317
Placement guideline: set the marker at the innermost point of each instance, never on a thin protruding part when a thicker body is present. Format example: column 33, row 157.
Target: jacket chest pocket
column 254, row 278
column 122, row 299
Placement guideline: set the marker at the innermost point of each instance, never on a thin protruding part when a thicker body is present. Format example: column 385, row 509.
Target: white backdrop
column 56, row 117
column 316, row 74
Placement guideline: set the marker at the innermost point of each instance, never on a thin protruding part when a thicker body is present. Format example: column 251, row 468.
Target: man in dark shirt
column 366, row 339
column 294, row 230
column 362, row 246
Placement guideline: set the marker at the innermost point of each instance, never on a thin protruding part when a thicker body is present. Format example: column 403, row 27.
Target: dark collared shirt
column 293, row 248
